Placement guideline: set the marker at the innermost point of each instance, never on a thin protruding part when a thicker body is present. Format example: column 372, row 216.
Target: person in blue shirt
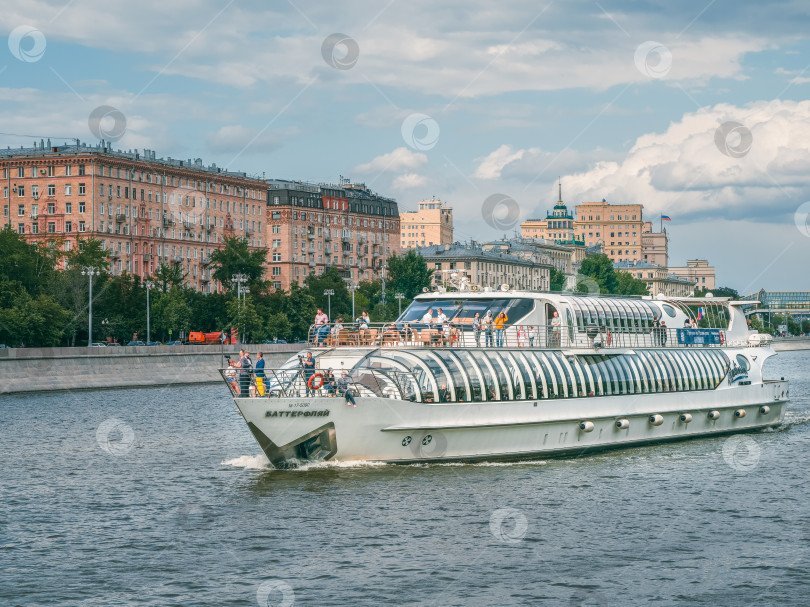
column 259, row 375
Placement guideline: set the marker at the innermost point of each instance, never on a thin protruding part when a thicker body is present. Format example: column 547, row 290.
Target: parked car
column 3, row 346
column 154, row 343
column 136, row 343
column 177, row 342
column 98, row 344
column 113, row 344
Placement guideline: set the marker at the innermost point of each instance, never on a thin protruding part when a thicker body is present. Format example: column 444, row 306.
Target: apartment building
column 431, row 224
column 313, row 226
column 145, row 211
column 659, row 280
column 697, row 270
column 485, row 268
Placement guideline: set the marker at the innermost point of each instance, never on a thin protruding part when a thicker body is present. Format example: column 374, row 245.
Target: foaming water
column 160, row 497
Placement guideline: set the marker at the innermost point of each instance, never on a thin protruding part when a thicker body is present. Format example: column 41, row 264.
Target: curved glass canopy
column 447, row 375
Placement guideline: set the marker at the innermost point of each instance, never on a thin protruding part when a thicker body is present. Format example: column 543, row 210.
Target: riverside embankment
column 39, row 369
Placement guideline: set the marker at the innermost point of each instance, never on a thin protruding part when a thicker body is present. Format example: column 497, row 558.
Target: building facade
column 432, row 224
column 658, row 279
column 149, row 211
column 539, row 251
column 485, row 268
column 697, row 270
column 311, row 227
column 617, row 226
column 145, row 211
column 654, row 246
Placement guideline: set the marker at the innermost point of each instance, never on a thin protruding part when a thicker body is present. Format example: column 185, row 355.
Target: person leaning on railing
column 259, row 374
column 499, row 324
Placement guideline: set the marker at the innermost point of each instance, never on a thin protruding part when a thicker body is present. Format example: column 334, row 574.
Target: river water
column 161, row 497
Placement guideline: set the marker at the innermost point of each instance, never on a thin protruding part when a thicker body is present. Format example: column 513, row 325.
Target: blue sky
column 622, row 100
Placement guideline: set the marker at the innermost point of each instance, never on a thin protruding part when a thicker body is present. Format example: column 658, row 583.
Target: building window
column 81, row 189
column 35, row 191
column 51, row 189
column 81, row 169
column 20, row 228
column 51, row 208
column 35, row 228
column 20, row 171
column 20, row 191
column 276, row 271
column 81, row 207
column 67, row 189
column 68, row 228
column 67, row 169
column 20, row 210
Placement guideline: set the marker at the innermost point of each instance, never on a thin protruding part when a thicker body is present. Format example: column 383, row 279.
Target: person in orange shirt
column 499, row 323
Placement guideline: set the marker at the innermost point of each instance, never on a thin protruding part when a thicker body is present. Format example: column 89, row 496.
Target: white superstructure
column 599, row 373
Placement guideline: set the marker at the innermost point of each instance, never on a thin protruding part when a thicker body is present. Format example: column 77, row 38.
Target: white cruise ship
column 567, row 374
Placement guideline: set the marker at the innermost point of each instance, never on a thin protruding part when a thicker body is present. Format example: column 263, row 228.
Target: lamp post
column 399, row 297
column 239, row 279
column 149, row 285
column 90, row 271
column 242, row 291
column 353, row 287
column 329, row 293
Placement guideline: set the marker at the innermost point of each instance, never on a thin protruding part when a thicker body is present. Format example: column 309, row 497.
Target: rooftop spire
column 559, row 181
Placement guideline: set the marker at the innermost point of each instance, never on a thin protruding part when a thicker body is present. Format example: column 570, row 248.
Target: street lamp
column 353, row 287
column 149, row 285
column 399, row 297
column 90, row 271
column 240, row 279
column 329, row 293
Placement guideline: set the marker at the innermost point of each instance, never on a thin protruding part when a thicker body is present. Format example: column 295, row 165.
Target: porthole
column 669, row 310
column 743, row 362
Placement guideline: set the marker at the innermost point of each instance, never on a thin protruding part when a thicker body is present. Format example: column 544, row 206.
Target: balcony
column 167, row 222
column 177, row 259
column 120, row 218
column 346, row 237
column 327, row 235
column 204, row 261
column 311, row 264
column 113, row 254
column 311, row 235
column 188, row 224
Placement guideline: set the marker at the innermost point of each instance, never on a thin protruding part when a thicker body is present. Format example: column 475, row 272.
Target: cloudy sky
column 696, row 109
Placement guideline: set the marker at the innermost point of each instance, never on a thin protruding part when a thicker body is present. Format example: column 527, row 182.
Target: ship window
column 638, row 373
column 542, row 376
column 457, row 373
column 501, row 374
column 691, row 370
column 527, row 372
column 676, row 369
column 442, row 382
column 552, row 375
column 521, row 384
column 473, row 370
column 653, row 371
column 462, row 311
column 700, row 371
column 669, row 310
column 629, row 381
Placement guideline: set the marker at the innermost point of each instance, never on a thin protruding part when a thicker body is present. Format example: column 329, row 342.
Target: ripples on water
column 171, row 505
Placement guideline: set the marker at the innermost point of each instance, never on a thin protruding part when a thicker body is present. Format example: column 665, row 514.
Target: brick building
column 314, row 226
column 148, row 211
column 145, row 211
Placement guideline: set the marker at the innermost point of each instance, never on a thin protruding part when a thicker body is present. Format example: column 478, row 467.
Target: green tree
column 237, row 258
column 628, row 285
column 278, row 326
column 330, row 279
column 600, row 269
column 175, row 313
column 408, row 274
column 806, row 327
column 242, row 314
column 31, row 265
column 88, row 252
column 299, row 307
column 557, row 279
column 170, row 275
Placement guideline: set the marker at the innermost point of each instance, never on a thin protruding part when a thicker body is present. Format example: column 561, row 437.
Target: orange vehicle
column 198, row 337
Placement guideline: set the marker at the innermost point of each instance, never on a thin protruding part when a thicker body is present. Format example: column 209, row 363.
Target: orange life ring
column 311, row 382
column 609, row 338
column 722, row 338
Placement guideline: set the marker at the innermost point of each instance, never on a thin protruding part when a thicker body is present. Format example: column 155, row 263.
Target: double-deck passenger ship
column 568, row 373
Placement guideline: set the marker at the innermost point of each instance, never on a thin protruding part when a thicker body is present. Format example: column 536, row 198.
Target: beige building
column 431, row 225
column 697, row 270
column 618, row 226
column 658, row 279
column 485, row 268
column 654, row 246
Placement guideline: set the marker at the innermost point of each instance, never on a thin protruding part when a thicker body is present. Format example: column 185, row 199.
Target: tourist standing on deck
column 245, row 365
column 532, row 335
column 555, row 330
column 500, row 323
column 259, row 374
column 476, row 323
column 308, row 365
column 321, row 326
column 656, row 331
column 488, row 323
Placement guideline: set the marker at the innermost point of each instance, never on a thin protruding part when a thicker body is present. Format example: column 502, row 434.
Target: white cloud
column 682, row 172
column 398, row 160
column 492, row 165
column 238, row 139
column 408, row 181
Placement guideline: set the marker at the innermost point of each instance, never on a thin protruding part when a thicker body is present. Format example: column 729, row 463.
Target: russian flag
column 701, row 313
column 665, row 218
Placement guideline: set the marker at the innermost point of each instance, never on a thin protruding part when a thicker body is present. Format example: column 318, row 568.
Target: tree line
column 43, row 305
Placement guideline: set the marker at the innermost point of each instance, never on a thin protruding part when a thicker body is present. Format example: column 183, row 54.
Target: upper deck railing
column 516, row 336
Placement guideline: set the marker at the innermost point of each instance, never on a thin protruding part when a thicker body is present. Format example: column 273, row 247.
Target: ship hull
column 397, row 431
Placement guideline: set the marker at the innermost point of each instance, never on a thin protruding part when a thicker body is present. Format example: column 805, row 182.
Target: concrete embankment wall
column 791, row 343
column 37, row 369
